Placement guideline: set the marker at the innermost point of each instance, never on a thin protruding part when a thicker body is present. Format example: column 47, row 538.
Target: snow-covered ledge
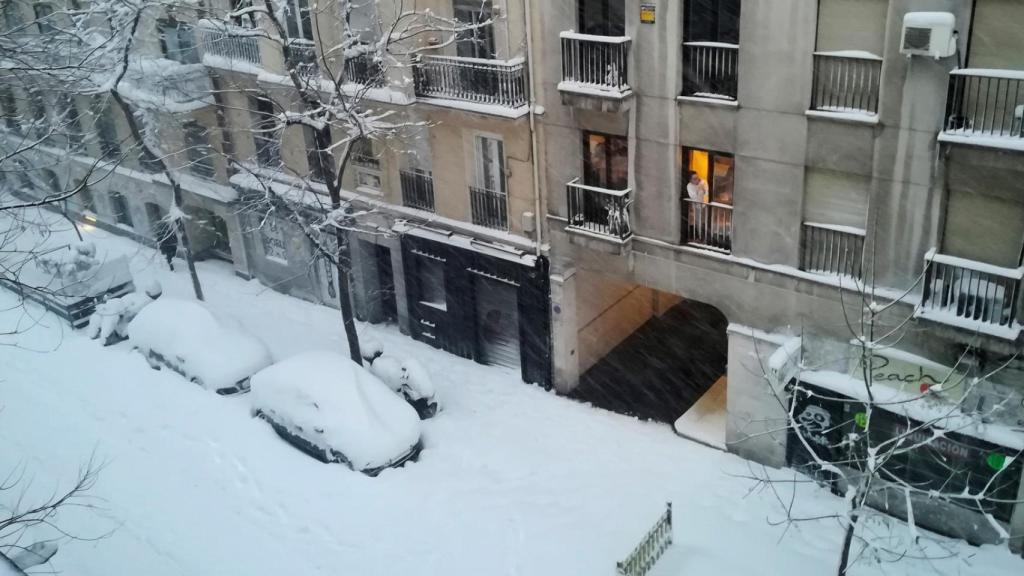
column 852, row 116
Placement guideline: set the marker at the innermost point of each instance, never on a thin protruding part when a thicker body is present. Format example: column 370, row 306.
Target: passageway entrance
column 653, row 355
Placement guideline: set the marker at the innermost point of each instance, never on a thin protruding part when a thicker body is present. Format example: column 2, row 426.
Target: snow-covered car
column 336, row 411
column 186, row 338
column 409, row 379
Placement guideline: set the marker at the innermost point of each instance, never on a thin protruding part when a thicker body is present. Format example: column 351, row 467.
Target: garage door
column 497, row 314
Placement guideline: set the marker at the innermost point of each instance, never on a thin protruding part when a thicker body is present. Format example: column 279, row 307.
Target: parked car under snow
column 336, row 411
column 186, row 338
column 409, row 379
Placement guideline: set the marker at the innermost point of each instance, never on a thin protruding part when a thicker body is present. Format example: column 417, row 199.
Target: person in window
column 168, row 242
column 696, row 191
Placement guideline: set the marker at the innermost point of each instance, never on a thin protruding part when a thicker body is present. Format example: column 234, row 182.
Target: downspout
column 532, row 100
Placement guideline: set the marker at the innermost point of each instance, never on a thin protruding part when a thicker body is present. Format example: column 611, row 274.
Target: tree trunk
column 844, row 557
column 345, row 296
column 189, row 260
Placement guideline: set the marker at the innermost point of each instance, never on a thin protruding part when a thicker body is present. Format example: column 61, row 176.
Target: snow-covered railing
column 493, row 82
column 654, row 544
column 489, row 208
column 710, row 70
column 599, row 210
column 303, row 57
column 708, row 224
column 846, row 81
column 231, row 42
column 364, row 69
column 984, row 102
column 417, row 190
column 832, row 250
column 596, row 62
column 972, row 294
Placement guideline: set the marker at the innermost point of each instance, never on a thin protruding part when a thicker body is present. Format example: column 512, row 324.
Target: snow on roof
column 186, row 332
column 928, row 19
column 339, row 405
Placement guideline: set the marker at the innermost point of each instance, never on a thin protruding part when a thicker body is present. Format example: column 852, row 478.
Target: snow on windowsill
column 1001, row 142
column 1011, row 332
column 712, row 44
column 571, row 35
column 853, row 116
column 838, row 228
column 595, row 90
column 989, row 73
column 489, row 109
column 732, row 103
column 857, row 54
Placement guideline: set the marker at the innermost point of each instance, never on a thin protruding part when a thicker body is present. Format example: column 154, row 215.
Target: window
column 299, row 23
column 272, row 238
column 10, row 109
column 490, row 164
column 200, row 154
column 432, row 290
column 68, row 117
column 155, row 215
column 475, row 42
column 363, row 154
column 177, row 41
column 110, row 145
column 318, row 164
column 86, row 201
column 602, row 17
column 265, row 133
column 605, row 161
column 362, row 20
column 44, row 18
column 122, row 214
column 12, row 15
column 37, row 112
column 713, row 21
column 715, row 169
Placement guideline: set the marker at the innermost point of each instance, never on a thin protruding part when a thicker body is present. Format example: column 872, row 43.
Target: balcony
column 846, row 84
column 303, row 57
column 417, row 190
column 985, row 108
column 599, row 211
column 489, row 208
column 972, row 295
column 595, row 65
column 708, row 225
column 231, row 43
column 832, row 250
column 168, row 85
column 487, row 83
column 710, row 71
column 365, row 70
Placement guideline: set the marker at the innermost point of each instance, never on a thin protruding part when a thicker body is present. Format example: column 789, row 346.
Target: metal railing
column 489, row 208
column 710, row 70
column 596, row 62
column 417, row 190
column 494, row 82
column 231, row 42
column 303, row 57
column 846, row 82
column 599, row 210
column 834, row 250
column 364, row 69
column 651, row 547
column 985, row 103
column 972, row 291
column 708, row 224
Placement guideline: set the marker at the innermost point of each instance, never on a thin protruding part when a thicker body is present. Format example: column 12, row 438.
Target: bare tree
column 888, row 441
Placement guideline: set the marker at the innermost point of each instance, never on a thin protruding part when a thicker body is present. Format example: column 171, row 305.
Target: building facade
column 726, row 180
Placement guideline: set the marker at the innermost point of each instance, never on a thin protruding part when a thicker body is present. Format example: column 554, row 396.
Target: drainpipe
column 538, row 235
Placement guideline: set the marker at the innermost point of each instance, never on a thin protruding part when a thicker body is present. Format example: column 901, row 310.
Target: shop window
column 605, row 161
column 432, row 289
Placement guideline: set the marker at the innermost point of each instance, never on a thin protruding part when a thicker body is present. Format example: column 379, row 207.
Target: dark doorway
column 602, row 17
column 664, row 367
column 497, row 319
column 386, row 281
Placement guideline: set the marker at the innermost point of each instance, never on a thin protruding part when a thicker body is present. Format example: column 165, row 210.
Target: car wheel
column 153, row 363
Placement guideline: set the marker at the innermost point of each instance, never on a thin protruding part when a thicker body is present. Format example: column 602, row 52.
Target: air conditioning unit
column 929, row 34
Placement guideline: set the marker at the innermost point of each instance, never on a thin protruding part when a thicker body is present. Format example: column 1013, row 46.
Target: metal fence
column 599, row 62
column 417, row 190
column 476, row 80
column 231, row 42
column 844, row 83
column 710, row 70
column 985, row 103
column 303, row 57
column 651, row 547
column 972, row 291
column 834, row 250
column 489, row 208
column 599, row 210
column 365, row 69
column 708, row 224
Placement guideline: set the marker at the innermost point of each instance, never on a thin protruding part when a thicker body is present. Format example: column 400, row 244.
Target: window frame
column 712, row 179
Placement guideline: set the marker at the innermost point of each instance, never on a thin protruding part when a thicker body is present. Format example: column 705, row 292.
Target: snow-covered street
column 512, row 479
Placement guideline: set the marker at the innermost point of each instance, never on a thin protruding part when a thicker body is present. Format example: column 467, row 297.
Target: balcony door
column 713, row 21
column 602, row 17
column 605, row 161
column 477, row 42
